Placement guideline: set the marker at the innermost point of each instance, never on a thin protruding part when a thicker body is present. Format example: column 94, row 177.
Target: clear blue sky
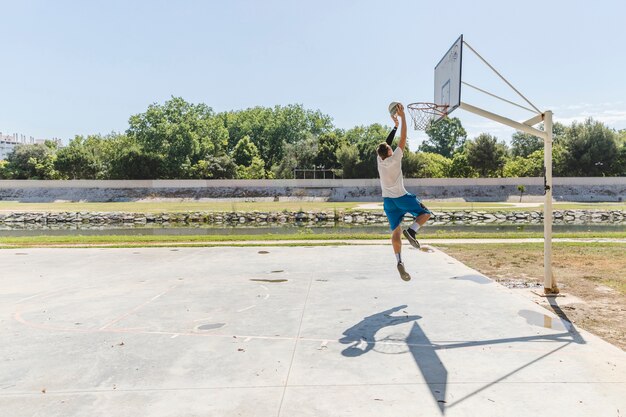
column 81, row 67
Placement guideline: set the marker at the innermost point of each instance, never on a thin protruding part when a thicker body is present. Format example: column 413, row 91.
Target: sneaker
column 403, row 274
column 409, row 234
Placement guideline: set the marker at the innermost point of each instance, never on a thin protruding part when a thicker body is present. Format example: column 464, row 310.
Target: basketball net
column 423, row 114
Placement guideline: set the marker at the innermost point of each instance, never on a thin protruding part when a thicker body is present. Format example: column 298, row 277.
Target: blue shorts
column 396, row 208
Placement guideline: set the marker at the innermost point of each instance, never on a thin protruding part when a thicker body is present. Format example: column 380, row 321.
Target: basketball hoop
column 423, row 114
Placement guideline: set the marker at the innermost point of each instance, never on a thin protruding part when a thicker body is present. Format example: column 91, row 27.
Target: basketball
column 393, row 108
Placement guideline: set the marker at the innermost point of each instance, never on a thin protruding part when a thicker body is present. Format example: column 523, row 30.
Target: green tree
column 621, row 161
column 134, row 164
column 245, row 151
column 445, row 137
column 176, row 134
column 366, row 139
column 328, row 144
column 294, row 123
column 256, row 123
column 256, row 170
column 214, row 167
column 590, row 150
column 486, row 155
column 4, row 170
column 532, row 166
column 460, row 167
column 523, row 144
column 83, row 158
column 411, row 164
column 522, row 190
column 348, row 158
column 621, row 137
column 33, row 162
column 518, row 166
column 425, row 165
column 123, row 158
column 301, row 154
column 621, row 158
column 270, row 129
column 74, row 162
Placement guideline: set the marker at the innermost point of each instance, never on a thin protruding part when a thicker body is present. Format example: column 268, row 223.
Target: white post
column 549, row 283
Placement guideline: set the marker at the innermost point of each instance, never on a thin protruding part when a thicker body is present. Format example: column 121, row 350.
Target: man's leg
column 396, row 241
column 418, row 222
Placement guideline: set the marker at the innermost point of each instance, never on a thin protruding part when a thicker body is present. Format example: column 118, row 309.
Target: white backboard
column 448, row 77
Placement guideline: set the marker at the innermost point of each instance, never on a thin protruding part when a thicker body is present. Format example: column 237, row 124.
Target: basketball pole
column 549, row 284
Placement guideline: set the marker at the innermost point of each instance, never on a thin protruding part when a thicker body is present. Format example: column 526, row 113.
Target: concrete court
column 297, row 331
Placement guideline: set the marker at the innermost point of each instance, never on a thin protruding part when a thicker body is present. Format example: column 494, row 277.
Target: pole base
column 551, row 291
column 551, row 295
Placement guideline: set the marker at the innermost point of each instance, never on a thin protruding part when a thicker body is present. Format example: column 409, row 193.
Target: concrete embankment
column 589, row 189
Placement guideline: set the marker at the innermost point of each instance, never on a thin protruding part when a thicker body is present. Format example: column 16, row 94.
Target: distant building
column 9, row 142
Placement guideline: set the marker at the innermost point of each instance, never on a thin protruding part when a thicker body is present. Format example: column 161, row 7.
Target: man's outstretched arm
column 392, row 134
column 402, row 142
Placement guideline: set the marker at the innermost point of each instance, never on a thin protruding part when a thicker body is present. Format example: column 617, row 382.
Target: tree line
column 181, row 140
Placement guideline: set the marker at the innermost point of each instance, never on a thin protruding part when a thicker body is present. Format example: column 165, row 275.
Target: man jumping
column 397, row 200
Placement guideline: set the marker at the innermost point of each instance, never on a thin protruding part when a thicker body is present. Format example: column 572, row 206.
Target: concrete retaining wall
column 467, row 189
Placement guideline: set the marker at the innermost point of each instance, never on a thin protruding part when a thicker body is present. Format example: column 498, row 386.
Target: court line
column 29, row 298
column 45, row 294
column 134, row 310
column 295, row 346
column 206, row 318
column 403, row 384
column 267, row 291
column 18, row 317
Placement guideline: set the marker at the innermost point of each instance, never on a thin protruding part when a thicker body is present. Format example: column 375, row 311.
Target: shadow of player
column 365, row 331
